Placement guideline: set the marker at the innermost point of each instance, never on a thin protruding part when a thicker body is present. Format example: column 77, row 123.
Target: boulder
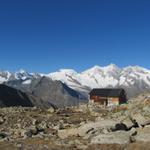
column 50, row 131
column 1, row 120
column 67, row 132
column 51, row 110
column 127, row 121
column 141, row 120
column 143, row 135
column 118, row 137
column 120, row 126
column 3, row 135
column 29, row 132
column 102, row 124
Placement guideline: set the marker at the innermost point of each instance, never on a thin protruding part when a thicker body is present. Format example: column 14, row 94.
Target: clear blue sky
column 46, row 35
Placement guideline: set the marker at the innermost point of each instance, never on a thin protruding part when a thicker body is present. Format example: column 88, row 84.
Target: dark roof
column 107, row 92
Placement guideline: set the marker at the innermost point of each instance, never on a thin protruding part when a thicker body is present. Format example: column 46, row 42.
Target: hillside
column 49, row 91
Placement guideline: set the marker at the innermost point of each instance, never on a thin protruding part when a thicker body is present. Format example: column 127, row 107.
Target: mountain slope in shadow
column 10, row 96
column 13, row 97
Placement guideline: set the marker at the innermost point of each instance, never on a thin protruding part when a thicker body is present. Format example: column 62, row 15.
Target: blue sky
column 46, row 35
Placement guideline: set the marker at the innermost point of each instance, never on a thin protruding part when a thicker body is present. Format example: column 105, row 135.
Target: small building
column 108, row 97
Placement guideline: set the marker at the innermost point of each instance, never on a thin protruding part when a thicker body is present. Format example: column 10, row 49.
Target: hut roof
column 107, row 92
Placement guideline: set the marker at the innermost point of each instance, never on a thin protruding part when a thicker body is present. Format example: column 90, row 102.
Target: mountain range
column 74, row 86
column 134, row 79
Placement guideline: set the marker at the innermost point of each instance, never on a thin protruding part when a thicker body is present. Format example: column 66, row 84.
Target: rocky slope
column 13, row 97
column 53, row 92
column 126, row 127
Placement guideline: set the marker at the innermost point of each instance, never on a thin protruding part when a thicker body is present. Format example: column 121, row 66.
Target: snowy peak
column 67, row 76
column 97, row 76
column 18, row 75
column 22, row 74
column 4, row 76
column 112, row 68
column 94, row 70
column 62, row 74
column 106, row 69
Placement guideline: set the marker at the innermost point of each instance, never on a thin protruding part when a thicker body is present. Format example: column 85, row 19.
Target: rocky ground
column 87, row 127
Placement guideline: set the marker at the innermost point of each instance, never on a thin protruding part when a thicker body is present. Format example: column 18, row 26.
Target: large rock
column 127, row 121
column 141, row 120
column 1, row 120
column 102, row 124
column 67, row 133
column 118, row 137
column 143, row 135
column 87, row 129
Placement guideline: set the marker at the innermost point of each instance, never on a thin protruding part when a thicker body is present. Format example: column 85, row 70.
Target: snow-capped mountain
column 133, row 79
column 22, row 75
column 4, row 76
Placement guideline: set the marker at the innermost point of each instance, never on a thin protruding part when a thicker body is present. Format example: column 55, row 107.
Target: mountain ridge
column 134, row 79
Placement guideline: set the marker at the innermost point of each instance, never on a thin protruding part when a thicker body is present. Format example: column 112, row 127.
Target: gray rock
column 28, row 133
column 63, row 134
column 50, row 131
column 1, row 120
column 140, row 119
column 102, row 124
column 118, row 137
column 127, row 121
column 3, row 135
column 143, row 135
column 34, row 130
column 51, row 110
